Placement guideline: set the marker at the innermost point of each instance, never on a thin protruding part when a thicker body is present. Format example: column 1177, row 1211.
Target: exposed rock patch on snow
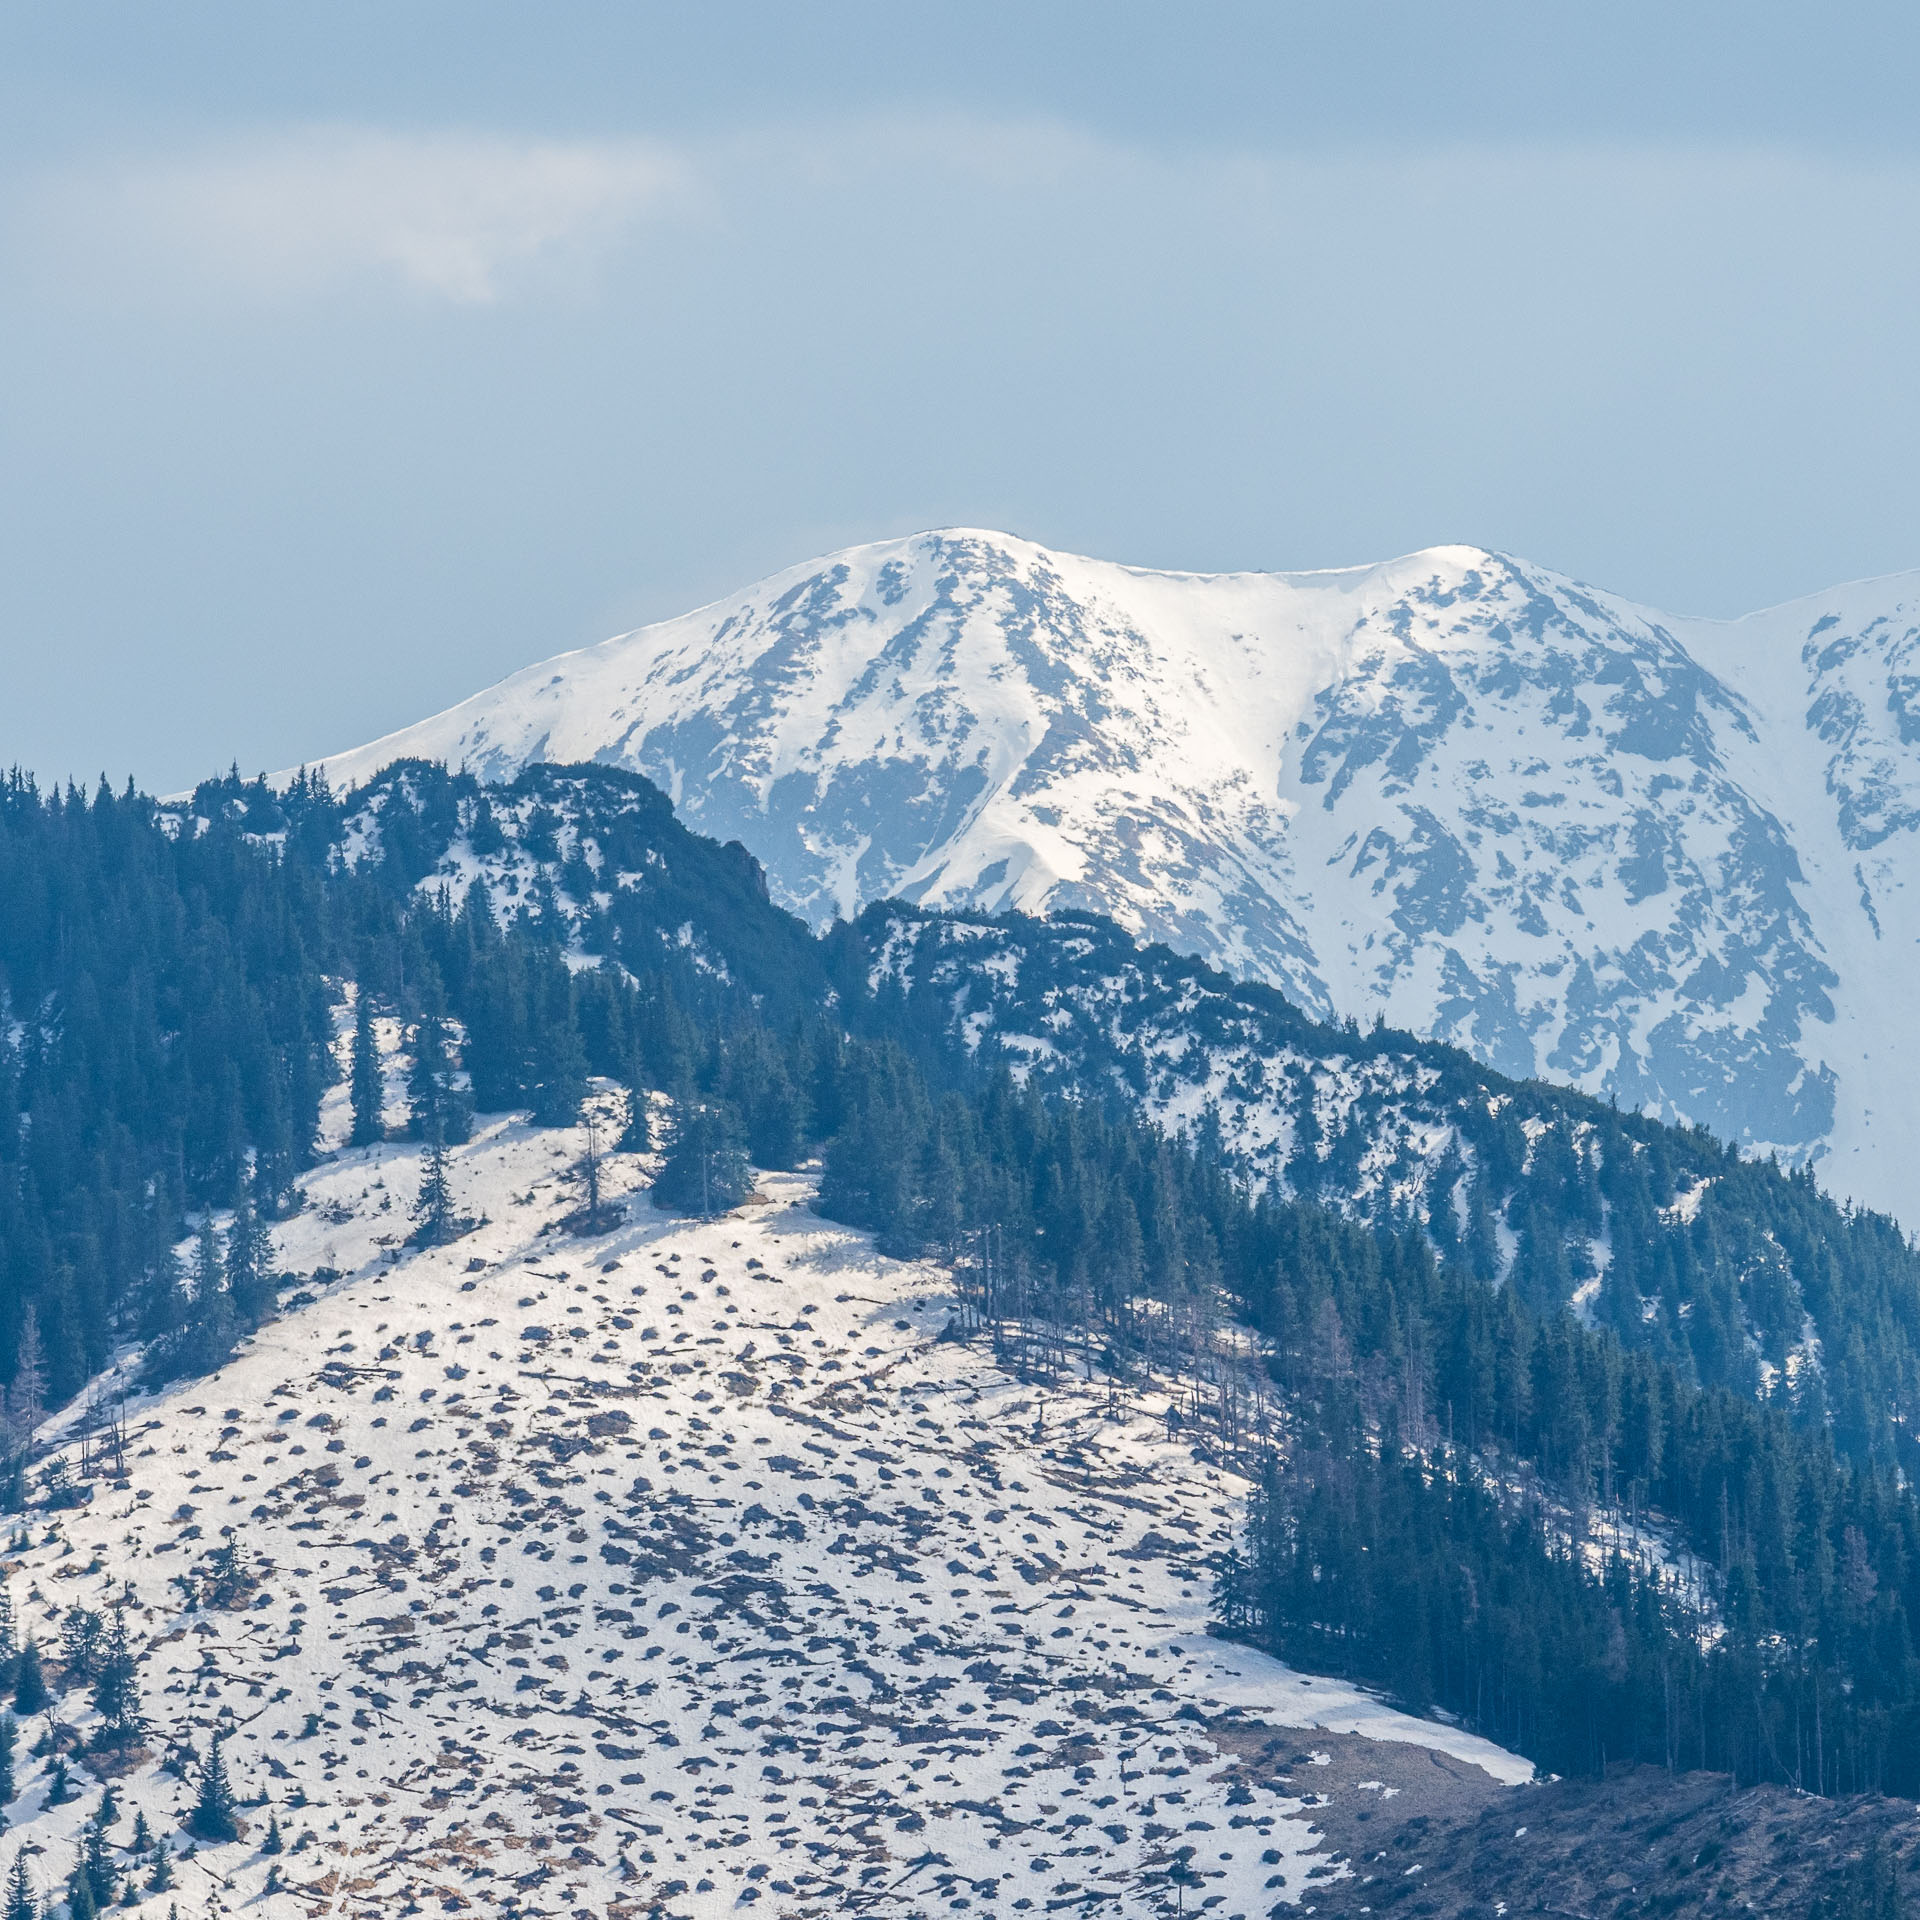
column 682, row 1568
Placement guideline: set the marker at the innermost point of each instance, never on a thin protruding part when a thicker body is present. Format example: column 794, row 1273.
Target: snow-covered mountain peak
column 1656, row 857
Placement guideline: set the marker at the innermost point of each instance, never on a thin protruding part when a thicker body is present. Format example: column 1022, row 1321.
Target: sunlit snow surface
column 637, row 1574
column 1663, row 860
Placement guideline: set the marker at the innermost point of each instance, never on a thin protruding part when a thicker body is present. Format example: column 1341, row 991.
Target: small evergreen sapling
column 213, row 1816
column 80, row 1637
column 19, row 1902
column 30, row 1693
column 226, row 1581
column 59, row 1486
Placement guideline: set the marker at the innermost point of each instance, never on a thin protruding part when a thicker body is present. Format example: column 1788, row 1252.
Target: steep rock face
column 1831, row 686
column 1640, row 855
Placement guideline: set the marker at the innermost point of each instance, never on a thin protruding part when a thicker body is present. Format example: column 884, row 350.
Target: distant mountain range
column 1660, row 859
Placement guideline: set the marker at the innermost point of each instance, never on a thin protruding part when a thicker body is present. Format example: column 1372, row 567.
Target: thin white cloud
column 1043, row 208
column 458, row 217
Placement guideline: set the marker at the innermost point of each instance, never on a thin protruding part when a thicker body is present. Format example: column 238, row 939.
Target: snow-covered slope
column 1659, row 859
column 680, row 1569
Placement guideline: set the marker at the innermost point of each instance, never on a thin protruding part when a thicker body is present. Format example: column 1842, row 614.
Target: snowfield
column 683, row 1568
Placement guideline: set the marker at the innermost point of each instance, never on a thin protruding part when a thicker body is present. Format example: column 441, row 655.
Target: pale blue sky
column 356, row 355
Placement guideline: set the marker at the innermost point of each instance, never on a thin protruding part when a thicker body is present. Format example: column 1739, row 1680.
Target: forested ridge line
column 1737, row 1272
column 1427, row 1439
column 171, row 979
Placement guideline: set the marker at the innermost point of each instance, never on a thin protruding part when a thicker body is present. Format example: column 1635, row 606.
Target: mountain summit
column 1658, row 858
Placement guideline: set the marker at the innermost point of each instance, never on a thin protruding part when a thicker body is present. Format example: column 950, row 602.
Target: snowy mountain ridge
column 1658, row 859
column 1660, row 1234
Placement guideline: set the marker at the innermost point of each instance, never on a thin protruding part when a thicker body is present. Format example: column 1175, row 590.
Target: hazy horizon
column 363, row 359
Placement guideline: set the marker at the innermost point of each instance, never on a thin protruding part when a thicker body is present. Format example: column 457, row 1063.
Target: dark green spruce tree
column 30, row 1693
column 435, row 1221
column 81, row 1903
column 206, row 1339
column 637, row 1135
column 705, row 1170
column 589, row 1173
column 438, row 1106
column 366, row 1085
column 214, row 1816
column 116, row 1688
column 557, row 1063
column 96, row 1862
column 252, row 1284
column 20, row 1901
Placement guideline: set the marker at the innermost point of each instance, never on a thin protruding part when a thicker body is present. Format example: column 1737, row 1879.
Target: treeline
column 163, row 1046
column 1421, row 1572
column 168, row 988
column 170, row 991
column 1736, row 1273
column 1721, row 1289
column 1444, row 1444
